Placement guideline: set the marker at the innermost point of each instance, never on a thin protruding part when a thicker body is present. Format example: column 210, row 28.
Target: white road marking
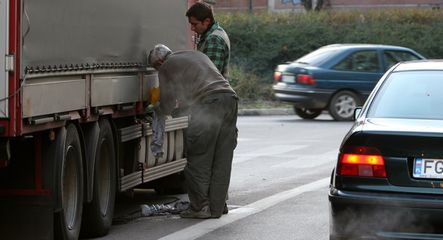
column 206, row 226
column 245, row 139
column 269, row 151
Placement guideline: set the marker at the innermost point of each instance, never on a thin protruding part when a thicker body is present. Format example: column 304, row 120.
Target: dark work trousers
column 210, row 141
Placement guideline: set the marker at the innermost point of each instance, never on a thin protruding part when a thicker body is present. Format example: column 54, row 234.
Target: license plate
column 288, row 79
column 428, row 168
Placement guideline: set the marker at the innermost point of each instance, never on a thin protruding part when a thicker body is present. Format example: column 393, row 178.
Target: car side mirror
column 357, row 112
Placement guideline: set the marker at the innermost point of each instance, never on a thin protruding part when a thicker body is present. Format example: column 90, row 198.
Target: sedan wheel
column 342, row 105
column 307, row 113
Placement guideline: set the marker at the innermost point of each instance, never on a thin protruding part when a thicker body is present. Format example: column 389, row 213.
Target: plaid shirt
column 215, row 48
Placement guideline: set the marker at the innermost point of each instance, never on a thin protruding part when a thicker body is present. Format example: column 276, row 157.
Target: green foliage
column 247, row 85
column 261, row 41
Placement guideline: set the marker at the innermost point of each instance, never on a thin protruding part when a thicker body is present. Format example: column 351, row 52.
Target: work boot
column 225, row 209
column 202, row 214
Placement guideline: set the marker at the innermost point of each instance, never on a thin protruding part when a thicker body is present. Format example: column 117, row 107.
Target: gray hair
column 160, row 52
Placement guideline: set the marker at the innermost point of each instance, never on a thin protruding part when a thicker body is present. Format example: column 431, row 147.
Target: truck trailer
column 74, row 84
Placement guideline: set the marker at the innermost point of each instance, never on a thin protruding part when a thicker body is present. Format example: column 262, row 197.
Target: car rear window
column 318, row 57
column 414, row 94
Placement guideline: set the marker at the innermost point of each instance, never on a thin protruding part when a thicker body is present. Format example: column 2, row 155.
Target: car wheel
column 342, row 105
column 307, row 113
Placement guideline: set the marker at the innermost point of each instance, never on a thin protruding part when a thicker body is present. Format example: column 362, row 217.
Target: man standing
column 213, row 40
column 191, row 78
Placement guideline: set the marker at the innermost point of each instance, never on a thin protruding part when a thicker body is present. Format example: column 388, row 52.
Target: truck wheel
column 342, row 105
column 70, row 187
column 98, row 214
column 307, row 113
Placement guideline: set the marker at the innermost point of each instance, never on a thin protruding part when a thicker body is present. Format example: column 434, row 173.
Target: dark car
column 388, row 180
column 336, row 77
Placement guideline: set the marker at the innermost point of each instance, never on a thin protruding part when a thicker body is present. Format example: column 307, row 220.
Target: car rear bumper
column 302, row 97
column 364, row 215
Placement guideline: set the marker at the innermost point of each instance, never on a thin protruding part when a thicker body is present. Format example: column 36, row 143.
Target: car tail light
column 363, row 162
column 277, row 76
column 305, row 79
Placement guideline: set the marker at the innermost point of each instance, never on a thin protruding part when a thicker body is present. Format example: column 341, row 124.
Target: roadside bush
column 261, row 41
column 247, row 85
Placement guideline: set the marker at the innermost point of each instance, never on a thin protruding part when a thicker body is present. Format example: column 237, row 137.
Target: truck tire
column 70, row 188
column 342, row 105
column 98, row 214
column 307, row 113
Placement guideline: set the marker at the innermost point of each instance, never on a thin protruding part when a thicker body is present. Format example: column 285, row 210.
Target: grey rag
column 158, row 132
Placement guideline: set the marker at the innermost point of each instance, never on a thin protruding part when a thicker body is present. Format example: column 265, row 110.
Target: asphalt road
column 278, row 186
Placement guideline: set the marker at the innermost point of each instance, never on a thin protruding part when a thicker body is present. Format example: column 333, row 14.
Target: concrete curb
column 265, row 111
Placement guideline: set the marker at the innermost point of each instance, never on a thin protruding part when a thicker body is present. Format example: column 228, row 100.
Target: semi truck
column 74, row 84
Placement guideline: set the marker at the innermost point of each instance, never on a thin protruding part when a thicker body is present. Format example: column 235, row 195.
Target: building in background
column 295, row 5
column 364, row 4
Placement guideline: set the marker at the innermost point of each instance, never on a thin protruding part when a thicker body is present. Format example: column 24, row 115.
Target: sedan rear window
column 415, row 95
column 318, row 57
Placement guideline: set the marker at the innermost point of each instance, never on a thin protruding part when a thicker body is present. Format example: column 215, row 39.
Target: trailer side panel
column 80, row 32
